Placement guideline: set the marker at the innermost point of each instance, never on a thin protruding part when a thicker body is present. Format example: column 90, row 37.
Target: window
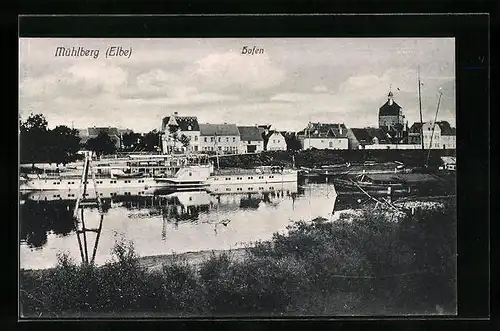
column 238, row 178
column 219, row 139
column 190, row 174
column 228, row 178
column 211, row 139
column 228, row 189
column 331, row 144
column 250, row 177
column 205, row 139
column 234, row 139
column 271, row 176
column 261, row 177
column 220, row 148
column 227, row 139
column 195, row 138
column 189, row 127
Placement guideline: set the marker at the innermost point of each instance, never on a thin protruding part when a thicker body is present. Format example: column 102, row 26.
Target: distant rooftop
column 219, row 130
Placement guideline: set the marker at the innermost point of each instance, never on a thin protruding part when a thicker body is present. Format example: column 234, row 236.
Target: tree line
column 60, row 145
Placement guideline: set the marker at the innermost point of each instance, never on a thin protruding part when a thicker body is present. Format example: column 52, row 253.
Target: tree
column 34, row 139
column 64, row 143
column 292, row 142
column 131, row 140
column 102, row 144
column 35, row 122
column 184, row 141
column 152, row 141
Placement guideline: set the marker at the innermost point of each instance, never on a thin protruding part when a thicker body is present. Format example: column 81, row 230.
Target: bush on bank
column 367, row 265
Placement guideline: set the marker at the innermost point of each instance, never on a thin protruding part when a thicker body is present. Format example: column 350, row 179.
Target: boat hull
column 228, row 179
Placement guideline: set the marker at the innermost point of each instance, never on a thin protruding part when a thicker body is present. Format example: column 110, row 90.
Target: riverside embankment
column 363, row 264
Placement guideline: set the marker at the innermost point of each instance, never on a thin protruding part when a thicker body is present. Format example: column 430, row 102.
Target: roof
column 444, row 126
column 274, row 132
column 317, row 130
column 219, row 130
column 416, row 127
column 182, row 121
column 446, row 129
column 251, row 133
column 389, row 110
column 449, row 159
column 366, row 135
column 109, row 130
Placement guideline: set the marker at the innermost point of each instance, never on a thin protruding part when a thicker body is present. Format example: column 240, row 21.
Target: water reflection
column 164, row 222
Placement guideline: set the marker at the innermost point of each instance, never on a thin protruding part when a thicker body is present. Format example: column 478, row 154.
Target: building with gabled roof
column 443, row 137
column 274, row 141
column 370, row 136
column 325, row 136
column 173, row 127
column 224, row 138
column 94, row 131
column 251, row 139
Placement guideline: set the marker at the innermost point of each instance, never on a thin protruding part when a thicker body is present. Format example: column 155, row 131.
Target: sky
column 294, row 81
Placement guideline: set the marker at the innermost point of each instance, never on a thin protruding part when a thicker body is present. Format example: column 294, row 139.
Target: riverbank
column 155, row 262
column 366, row 263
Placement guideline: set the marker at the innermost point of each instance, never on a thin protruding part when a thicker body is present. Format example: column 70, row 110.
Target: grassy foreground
column 369, row 265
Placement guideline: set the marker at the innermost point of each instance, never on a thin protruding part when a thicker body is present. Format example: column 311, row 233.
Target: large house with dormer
column 173, row 127
column 325, row 136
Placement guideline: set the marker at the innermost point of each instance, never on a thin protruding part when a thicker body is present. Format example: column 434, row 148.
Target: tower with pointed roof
column 391, row 118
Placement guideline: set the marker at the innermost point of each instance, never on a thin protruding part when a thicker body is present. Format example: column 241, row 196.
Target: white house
column 224, row 138
column 251, row 140
column 174, row 127
column 275, row 141
column 444, row 136
column 324, row 136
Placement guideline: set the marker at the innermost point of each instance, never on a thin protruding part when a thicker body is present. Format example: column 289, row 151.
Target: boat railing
column 253, row 171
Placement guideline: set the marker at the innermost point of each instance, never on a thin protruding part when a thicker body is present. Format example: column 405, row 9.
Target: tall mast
column 433, row 127
column 216, row 150
column 420, row 108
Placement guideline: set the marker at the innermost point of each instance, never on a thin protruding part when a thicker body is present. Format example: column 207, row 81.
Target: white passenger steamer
column 152, row 171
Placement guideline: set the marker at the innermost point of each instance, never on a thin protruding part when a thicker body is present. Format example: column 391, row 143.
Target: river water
column 163, row 223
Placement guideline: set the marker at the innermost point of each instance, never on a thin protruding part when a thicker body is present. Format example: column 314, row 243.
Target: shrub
column 180, row 287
